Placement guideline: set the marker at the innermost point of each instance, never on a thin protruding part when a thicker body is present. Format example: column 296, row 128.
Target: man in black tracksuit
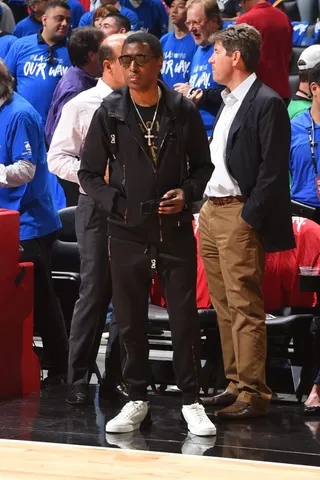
column 147, row 142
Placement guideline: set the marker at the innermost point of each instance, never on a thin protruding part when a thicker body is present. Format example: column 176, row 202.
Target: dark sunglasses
column 50, row 59
column 141, row 59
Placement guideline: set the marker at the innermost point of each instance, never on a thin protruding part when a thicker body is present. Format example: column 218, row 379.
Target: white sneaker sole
column 122, row 428
column 206, row 432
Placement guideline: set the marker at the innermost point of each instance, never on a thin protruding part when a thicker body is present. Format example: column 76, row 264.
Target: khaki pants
column 234, row 258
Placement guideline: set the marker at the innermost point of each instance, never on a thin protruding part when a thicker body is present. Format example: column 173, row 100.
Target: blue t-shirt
column 36, row 76
column 21, row 138
column 76, row 10
column 152, row 15
column 87, row 19
column 201, row 77
column 303, row 188
column 177, row 58
column 27, row 26
column 6, row 41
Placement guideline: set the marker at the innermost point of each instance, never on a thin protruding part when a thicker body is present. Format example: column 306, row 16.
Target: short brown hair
column 304, row 75
column 6, row 82
column 244, row 39
column 102, row 12
column 211, row 9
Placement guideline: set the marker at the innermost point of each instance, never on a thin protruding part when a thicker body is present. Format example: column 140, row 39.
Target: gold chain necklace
column 149, row 135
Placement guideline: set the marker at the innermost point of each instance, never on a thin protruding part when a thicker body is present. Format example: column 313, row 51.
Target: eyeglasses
column 194, row 24
column 50, row 59
column 141, row 59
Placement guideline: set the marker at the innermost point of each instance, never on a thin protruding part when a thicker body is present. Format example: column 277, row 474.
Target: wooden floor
column 45, row 461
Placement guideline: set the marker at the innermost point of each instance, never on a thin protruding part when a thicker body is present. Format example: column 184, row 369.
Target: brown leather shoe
column 240, row 410
column 223, row 399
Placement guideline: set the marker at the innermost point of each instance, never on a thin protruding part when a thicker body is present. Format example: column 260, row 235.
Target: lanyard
column 312, row 145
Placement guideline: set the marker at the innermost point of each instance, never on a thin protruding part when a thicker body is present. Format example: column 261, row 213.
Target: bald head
column 6, row 82
column 109, row 52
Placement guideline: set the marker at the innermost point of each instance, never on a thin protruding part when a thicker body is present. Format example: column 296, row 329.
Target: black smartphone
column 151, row 206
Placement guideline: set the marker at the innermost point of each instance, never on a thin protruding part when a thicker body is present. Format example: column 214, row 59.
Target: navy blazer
column 257, row 156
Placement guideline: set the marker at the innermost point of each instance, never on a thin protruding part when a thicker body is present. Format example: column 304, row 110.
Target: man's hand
column 182, row 88
column 196, row 95
column 175, row 205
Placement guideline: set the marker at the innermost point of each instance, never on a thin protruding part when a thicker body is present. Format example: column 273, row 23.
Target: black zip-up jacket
column 183, row 162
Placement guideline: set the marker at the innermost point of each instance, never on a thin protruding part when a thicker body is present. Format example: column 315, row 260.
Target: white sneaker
column 131, row 417
column 197, row 421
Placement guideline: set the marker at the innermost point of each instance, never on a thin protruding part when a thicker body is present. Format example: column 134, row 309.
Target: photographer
column 146, row 132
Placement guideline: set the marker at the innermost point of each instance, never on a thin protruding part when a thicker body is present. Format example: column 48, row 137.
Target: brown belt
column 226, row 200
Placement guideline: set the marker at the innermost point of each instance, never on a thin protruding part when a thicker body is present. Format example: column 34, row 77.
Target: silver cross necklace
column 149, row 135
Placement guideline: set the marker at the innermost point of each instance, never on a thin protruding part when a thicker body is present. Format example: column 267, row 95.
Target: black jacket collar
column 118, row 102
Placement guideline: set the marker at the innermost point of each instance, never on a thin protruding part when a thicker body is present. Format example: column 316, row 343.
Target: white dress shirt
column 221, row 183
column 70, row 134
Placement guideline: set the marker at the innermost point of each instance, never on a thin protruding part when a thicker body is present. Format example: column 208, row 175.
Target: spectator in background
column 83, row 48
column 276, row 31
column 24, row 187
column 86, row 19
column 178, row 47
column 98, row 15
column 230, row 9
column 203, row 20
column 7, row 22
column 39, row 61
column 91, row 228
column 77, row 10
column 33, row 23
column 308, row 10
column 302, row 99
column 115, row 23
column 6, row 40
column 305, row 151
column 152, row 15
column 19, row 9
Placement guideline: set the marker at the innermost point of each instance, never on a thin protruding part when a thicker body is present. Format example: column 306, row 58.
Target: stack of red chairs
column 19, row 365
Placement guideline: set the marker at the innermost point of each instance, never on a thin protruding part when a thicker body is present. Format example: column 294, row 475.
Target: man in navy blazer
column 247, row 213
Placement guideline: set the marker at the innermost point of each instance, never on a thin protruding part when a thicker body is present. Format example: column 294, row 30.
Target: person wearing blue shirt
column 203, row 20
column 31, row 24
column 87, row 18
column 38, row 62
column 6, row 40
column 77, row 10
column 152, row 15
column 24, row 187
column 305, row 149
column 178, row 47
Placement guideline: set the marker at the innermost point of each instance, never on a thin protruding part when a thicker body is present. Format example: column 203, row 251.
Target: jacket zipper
column 154, row 172
column 124, row 176
column 124, row 187
column 109, row 248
